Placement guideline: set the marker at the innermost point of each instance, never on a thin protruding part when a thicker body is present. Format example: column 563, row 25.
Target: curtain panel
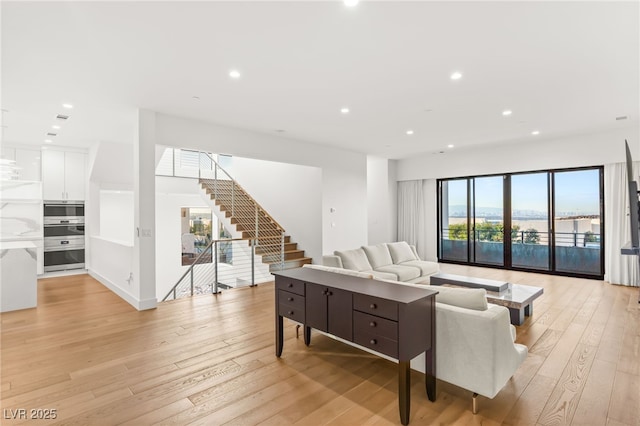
column 411, row 214
column 619, row 269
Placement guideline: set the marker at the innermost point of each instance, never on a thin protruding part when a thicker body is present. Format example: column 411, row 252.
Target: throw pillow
column 401, row 252
column 378, row 255
column 355, row 260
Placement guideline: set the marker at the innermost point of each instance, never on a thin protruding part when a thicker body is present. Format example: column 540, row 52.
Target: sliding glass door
column 577, row 221
column 530, row 221
column 539, row 221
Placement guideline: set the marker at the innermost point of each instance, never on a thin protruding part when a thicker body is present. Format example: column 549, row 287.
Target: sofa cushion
column 349, row 272
column 401, row 252
column 404, row 273
column 469, row 298
column 426, row 267
column 354, row 259
column 378, row 255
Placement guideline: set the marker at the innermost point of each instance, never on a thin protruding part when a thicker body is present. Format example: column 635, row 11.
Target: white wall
column 171, row 195
column 116, row 216
column 344, row 173
column 112, row 265
column 381, row 200
column 290, row 193
column 539, row 154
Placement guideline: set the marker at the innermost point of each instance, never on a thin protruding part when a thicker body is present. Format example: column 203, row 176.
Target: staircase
column 251, row 221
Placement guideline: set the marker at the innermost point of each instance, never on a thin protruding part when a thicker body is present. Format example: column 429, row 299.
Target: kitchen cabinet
column 63, row 175
column 27, row 161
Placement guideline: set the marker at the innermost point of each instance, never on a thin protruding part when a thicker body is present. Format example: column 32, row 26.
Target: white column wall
column 344, row 173
column 144, row 188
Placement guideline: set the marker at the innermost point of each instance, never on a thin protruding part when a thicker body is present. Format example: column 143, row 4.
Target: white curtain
column 411, row 215
column 619, row 269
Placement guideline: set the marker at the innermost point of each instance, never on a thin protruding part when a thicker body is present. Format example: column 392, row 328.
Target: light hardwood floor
column 210, row 360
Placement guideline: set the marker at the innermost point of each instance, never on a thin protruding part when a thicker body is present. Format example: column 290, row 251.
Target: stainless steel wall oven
column 63, row 235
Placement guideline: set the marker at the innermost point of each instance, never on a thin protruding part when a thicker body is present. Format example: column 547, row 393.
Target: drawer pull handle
column 290, row 299
column 373, row 306
column 373, row 341
column 290, row 285
column 330, row 293
column 290, row 312
column 372, row 324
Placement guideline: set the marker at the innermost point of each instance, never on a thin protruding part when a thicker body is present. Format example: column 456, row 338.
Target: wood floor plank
column 211, row 360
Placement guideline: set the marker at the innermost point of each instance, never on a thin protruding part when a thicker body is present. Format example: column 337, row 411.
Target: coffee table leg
column 528, row 310
column 517, row 316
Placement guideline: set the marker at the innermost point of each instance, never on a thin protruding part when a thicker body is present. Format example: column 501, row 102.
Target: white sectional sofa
column 392, row 261
column 476, row 347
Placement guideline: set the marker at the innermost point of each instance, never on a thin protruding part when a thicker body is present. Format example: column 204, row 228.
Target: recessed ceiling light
column 235, row 74
column 409, row 132
column 535, row 132
column 344, row 110
column 456, row 75
column 48, row 141
column 351, row 3
column 67, row 106
column 507, row 112
column 55, row 127
column 450, row 146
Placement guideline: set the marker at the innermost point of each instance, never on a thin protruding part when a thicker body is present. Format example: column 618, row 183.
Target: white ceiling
column 562, row 67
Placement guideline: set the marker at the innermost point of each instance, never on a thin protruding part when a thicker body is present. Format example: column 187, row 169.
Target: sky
column 575, row 191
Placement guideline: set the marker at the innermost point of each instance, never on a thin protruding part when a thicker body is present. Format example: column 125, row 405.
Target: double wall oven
column 63, row 235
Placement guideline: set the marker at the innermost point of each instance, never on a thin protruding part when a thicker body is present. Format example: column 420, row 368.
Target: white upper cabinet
column 27, row 162
column 63, row 175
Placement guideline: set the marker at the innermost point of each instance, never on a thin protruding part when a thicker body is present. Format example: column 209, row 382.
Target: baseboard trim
column 140, row 305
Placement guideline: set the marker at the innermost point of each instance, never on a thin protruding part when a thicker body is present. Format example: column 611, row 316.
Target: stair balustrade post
column 233, row 197
column 253, row 263
column 282, row 251
column 174, row 293
column 215, row 183
column 191, row 281
column 257, row 221
column 215, row 267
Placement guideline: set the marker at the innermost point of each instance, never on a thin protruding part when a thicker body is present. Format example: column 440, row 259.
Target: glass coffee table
column 517, row 298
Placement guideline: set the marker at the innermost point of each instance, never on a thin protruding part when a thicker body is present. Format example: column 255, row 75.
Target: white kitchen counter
column 18, row 282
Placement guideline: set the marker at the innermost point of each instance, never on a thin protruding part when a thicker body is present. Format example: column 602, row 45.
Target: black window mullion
column 506, row 220
column 552, row 222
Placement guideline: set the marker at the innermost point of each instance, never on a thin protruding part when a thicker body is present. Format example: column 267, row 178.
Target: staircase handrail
column 280, row 228
column 195, row 262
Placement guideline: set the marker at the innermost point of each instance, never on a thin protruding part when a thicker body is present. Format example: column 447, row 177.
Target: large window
column 540, row 221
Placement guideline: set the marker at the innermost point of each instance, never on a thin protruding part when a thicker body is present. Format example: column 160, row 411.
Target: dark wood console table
column 391, row 319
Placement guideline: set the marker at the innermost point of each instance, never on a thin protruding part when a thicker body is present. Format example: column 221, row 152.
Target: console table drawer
column 375, row 306
column 288, row 284
column 377, row 343
column 291, row 299
column 296, row 314
column 375, row 325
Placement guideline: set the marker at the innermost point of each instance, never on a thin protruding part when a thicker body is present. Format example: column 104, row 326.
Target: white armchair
column 476, row 348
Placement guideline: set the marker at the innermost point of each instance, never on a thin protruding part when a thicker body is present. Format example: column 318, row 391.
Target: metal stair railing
column 223, row 264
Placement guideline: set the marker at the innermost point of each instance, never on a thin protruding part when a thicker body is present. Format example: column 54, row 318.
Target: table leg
column 517, row 316
column 430, row 374
column 404, row 391
column 307, row 335
column 528, row 310
column 279, row 335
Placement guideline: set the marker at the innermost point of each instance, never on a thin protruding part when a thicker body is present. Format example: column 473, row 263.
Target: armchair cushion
column 426, row 267
column 401, row 272
column 354, row 259
column 401, row 252
column 470, row 298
